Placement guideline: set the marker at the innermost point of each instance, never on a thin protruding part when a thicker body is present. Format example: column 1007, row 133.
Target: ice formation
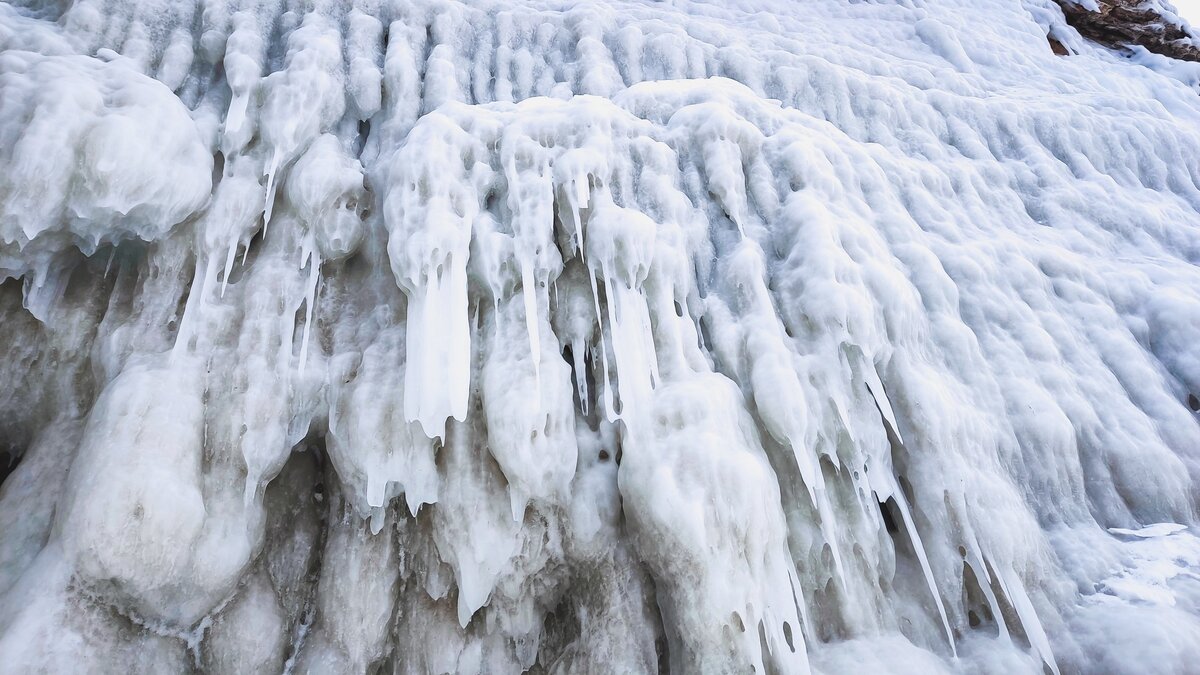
column 425, row 336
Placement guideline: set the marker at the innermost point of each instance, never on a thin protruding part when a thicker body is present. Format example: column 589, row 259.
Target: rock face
column 1119, row 23
column 473, row 336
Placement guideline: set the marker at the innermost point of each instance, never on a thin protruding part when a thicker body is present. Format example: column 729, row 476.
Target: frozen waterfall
column 693, row 336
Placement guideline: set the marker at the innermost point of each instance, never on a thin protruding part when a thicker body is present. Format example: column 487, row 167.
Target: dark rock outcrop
column 1120, row 23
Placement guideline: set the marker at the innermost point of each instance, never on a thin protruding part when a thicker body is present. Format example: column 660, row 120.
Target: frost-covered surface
column 459, row 337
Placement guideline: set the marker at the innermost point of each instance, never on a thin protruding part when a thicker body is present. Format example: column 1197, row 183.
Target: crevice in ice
column 1014, row 590
column 978, row 606
column 889, row 512
column 298, row 507
column 10, row 458
column 895, row 491
column 662, row 650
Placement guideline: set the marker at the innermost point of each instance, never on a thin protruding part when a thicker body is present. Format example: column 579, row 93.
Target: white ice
column 438, row 336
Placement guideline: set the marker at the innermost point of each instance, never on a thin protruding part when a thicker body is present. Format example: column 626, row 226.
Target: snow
column 456, row 336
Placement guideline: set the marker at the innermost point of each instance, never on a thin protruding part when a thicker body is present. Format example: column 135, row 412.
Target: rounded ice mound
column 94, row 153
column 137, row 502
column 326, row 187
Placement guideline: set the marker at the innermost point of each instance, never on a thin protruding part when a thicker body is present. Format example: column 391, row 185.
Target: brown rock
column 1121, row 23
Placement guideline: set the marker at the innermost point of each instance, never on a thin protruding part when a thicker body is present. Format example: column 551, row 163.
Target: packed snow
column 435, row 336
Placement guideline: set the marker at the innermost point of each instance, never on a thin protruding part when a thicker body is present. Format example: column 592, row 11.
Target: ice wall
column 698, row 337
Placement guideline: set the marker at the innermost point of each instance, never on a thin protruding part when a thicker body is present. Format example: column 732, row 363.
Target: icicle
column 250, row 492
column 438, row 335
column 922, row 557
column 609, row 407
column 801, row 608
column 528, row 292
column 980, row 567
column 579, row 356
column 229, row 258
column 636, row 370
column 376, row 490
column 580, row 201
column 459, row 366
column 517, row 501
column 203, row 277
column 829, row 532
column 237, row 112
column 108, row 265
column 314, row 274
column 1015, row 591
column 875, row 388
column 269, row 205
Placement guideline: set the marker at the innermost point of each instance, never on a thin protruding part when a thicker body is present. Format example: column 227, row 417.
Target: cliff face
column 473, row 336
column 1119, row 23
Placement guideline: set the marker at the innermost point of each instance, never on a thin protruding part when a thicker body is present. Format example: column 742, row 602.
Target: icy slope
column 824, row 336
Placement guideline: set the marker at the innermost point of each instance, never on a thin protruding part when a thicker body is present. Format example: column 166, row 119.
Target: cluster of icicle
column 424, row 336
